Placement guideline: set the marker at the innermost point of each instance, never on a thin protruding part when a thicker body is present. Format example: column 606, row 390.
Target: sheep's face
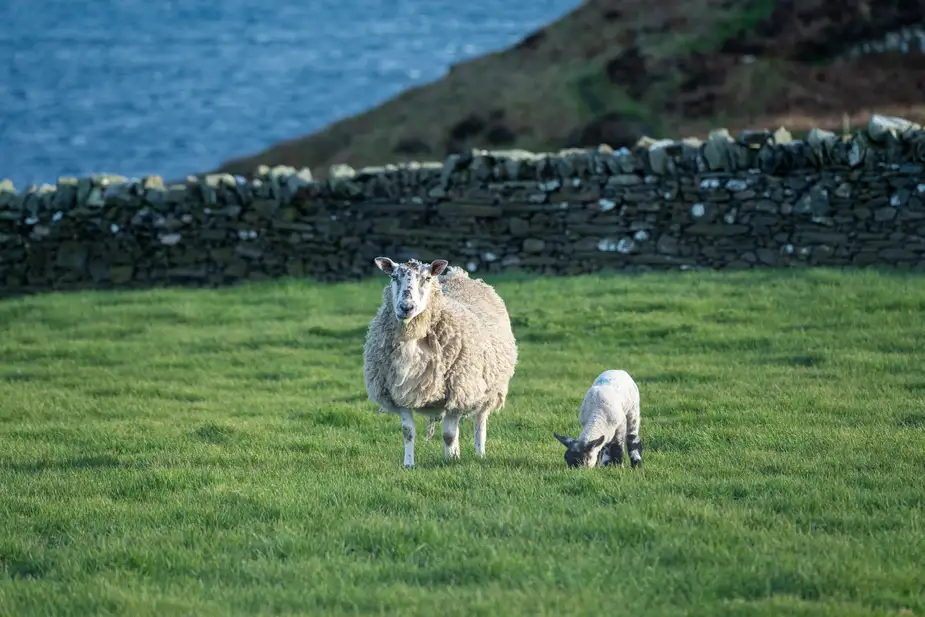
column 411, row 285
column 579, row 453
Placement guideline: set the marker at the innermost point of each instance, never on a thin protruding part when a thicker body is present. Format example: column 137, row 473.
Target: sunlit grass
column 213, row 453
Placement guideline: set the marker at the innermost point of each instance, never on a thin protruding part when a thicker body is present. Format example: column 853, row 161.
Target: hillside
column 613, row 70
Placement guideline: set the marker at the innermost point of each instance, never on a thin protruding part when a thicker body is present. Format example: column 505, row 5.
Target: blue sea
column 140, row 87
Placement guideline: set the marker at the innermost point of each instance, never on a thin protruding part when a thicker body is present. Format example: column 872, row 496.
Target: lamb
column 441, row 345
column 609, row 417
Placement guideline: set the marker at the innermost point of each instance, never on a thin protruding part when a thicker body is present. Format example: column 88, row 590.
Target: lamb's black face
column 576, row 457
column 580, row 454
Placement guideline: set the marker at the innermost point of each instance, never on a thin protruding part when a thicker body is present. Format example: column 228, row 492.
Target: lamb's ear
column 594, row 444
column 566, row 441
column 385, row 264
column 438, row 266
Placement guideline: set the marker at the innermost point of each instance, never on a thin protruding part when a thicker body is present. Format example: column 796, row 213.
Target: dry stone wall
column 761, row 199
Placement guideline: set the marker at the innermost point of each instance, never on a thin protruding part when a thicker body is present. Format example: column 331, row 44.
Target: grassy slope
column 553, row 89
column 212, row 453
column 544, row 91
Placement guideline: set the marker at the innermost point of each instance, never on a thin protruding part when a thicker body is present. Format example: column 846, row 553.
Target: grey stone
column 624, row 180
column 708, row 229
column 880, row 126
column 782, row 136
column 898, row 254
column 153, row 182
column 821, row 141
column 659, row 155
column 882, row 215
column 533, row 245
column 518, row 226
column 755, row 138
column 735, row 185
column 336, row 171
column 716, row 150
column 95, row 198
column 301, row 178
column 667, row 245
column 767, row 256
column 843, row 190
column 900, row 198
column 856, row 153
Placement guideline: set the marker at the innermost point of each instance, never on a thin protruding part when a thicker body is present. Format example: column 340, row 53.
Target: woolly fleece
column 456, row 357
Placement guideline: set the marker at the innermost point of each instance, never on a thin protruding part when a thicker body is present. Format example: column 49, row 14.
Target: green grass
column 212, row 453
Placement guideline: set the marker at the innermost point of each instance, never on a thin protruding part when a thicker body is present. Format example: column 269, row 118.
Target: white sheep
column 609, row 417
column 441, row 344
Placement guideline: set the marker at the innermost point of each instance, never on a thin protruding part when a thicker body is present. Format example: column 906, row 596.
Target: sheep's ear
column 438, row 266
column 594, row 444
column 385, row 264
column 566, row 441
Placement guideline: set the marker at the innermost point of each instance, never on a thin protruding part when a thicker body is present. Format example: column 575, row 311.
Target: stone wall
column 758, row 200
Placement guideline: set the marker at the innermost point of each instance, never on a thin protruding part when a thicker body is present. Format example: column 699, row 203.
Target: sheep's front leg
column 614, row 450
column 613, row 454
column 408, row 431
column 450, row 437
column 480, row 433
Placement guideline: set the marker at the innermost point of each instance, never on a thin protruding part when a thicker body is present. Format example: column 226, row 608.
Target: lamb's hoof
column 409, row 466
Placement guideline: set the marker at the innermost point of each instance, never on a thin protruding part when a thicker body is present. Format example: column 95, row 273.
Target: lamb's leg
column 408, row 431
column 450, row 437
column 633, row 441
column 634, row 447
column 615, row 449
column 614, row 453
column 480, row 433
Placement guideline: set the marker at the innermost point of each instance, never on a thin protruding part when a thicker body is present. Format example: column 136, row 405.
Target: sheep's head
column 411, row 285
column 580, row 453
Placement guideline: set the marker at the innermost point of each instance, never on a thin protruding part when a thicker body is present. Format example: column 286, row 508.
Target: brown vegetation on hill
column 613, row 70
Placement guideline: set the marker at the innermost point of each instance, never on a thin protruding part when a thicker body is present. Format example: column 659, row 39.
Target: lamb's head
column 580, row 453
column 412, row 284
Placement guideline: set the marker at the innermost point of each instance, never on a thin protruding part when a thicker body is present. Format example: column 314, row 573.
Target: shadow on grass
column 21, row 567
column 213, row 434
column 349, row 334
column 914, row 420
column 808, row 361
column 676, row 378
column 20, row 377
column 80, row 463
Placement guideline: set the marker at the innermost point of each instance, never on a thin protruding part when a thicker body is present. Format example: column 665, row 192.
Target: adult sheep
column 441, row 345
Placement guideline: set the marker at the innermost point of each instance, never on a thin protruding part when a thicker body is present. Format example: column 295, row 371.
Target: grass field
column 213, row 453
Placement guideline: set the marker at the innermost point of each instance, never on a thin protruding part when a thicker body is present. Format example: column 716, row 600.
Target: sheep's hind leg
column 408, row 431
column 450, row 437
column 480, row 433
column 634, row 448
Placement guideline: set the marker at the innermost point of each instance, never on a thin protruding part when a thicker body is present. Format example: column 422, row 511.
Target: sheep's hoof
column 409, row 466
